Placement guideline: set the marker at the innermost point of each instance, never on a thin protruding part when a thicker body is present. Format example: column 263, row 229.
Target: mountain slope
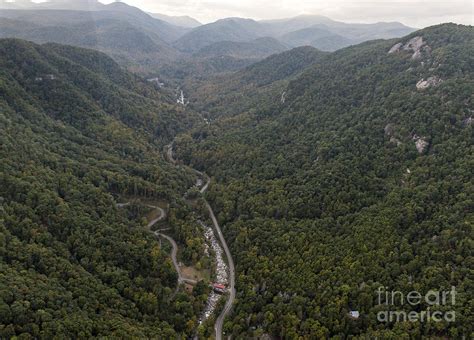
column 357, row 32
column 256, row 49
column 132, row 37
column 317, row 31
column 224, row 95
column 231, row 29
column 360, row 179
column 182, row 21
column 317, row 37
column 79, row 133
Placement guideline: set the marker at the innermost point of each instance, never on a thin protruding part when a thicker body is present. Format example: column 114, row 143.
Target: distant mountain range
column 182, row 21
column 144, row 42
column 317, row 31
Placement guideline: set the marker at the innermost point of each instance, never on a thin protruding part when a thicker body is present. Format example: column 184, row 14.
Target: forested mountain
column 114, row 11
column 256, row 49
column 317, row 31
column 356, row 32
column 145, row 42
column 130, row 36
column 339, row 163
column 316, row 36
column 219, row 58
column 82, row 5
column 225, row 95
column 78, row 134
column 230, row 29
column 198, row 69
column 93, row 5
column 181, row 21
column 360, row 178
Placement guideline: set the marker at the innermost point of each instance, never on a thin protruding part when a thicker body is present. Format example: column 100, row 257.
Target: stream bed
column 221, row 271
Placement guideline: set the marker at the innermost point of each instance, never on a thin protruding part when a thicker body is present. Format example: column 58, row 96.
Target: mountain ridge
column 344, row 178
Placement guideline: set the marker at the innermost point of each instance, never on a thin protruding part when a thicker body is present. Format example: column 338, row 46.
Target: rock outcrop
column 421, row 143
column 389, row 129
column 395, row 48
column 431, row 81
column 395, row 141
column 415, row 45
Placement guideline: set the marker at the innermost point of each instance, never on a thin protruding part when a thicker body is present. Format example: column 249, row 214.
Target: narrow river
column 221, row 271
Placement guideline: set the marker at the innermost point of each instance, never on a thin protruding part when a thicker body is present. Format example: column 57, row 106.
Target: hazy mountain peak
column 183, row 21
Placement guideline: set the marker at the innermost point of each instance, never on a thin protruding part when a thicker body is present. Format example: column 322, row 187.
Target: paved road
column 230, row 301
column 159, row 218
column 174, row 251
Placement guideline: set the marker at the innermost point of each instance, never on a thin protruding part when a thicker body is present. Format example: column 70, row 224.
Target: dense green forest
column 77, row 135
column 348, row 174
column 333, row 174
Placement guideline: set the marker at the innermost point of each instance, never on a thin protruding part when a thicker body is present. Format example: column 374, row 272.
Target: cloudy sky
column 416, row 13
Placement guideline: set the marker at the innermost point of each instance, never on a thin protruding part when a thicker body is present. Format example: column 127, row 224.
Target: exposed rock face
column 395, row 48
column 420, row 143
column 390, row 132
column 467, row 121
column 431, row 81
column 415, row 45
column 389, row 129
column 396, row 141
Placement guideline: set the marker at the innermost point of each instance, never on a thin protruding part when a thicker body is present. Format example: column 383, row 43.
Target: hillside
column 79, row 135
column 147, row 43
column 132, row 37
column 317, row 37
column 317, row 31
column 256, row 49
column 231, row 29
column 360, row 179
column 181, row 21
column 249, row 87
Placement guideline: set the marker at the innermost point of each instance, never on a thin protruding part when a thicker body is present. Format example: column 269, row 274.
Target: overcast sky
column 416, row 13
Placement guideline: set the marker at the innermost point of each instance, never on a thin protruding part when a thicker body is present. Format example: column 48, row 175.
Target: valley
column 225, row 272
column 238, row 179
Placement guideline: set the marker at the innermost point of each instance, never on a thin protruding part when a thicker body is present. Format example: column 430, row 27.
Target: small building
column 354, row 314
column 219, row 288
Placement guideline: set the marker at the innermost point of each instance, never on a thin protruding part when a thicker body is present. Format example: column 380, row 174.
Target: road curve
column 174, row 251
column 218, row 327
column 174, row 245
column 159, row 218
column 174, row 254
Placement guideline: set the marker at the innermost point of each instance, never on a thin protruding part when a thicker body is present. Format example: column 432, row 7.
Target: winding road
column 218, row 327
column 174, row 245
column 157, row 233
